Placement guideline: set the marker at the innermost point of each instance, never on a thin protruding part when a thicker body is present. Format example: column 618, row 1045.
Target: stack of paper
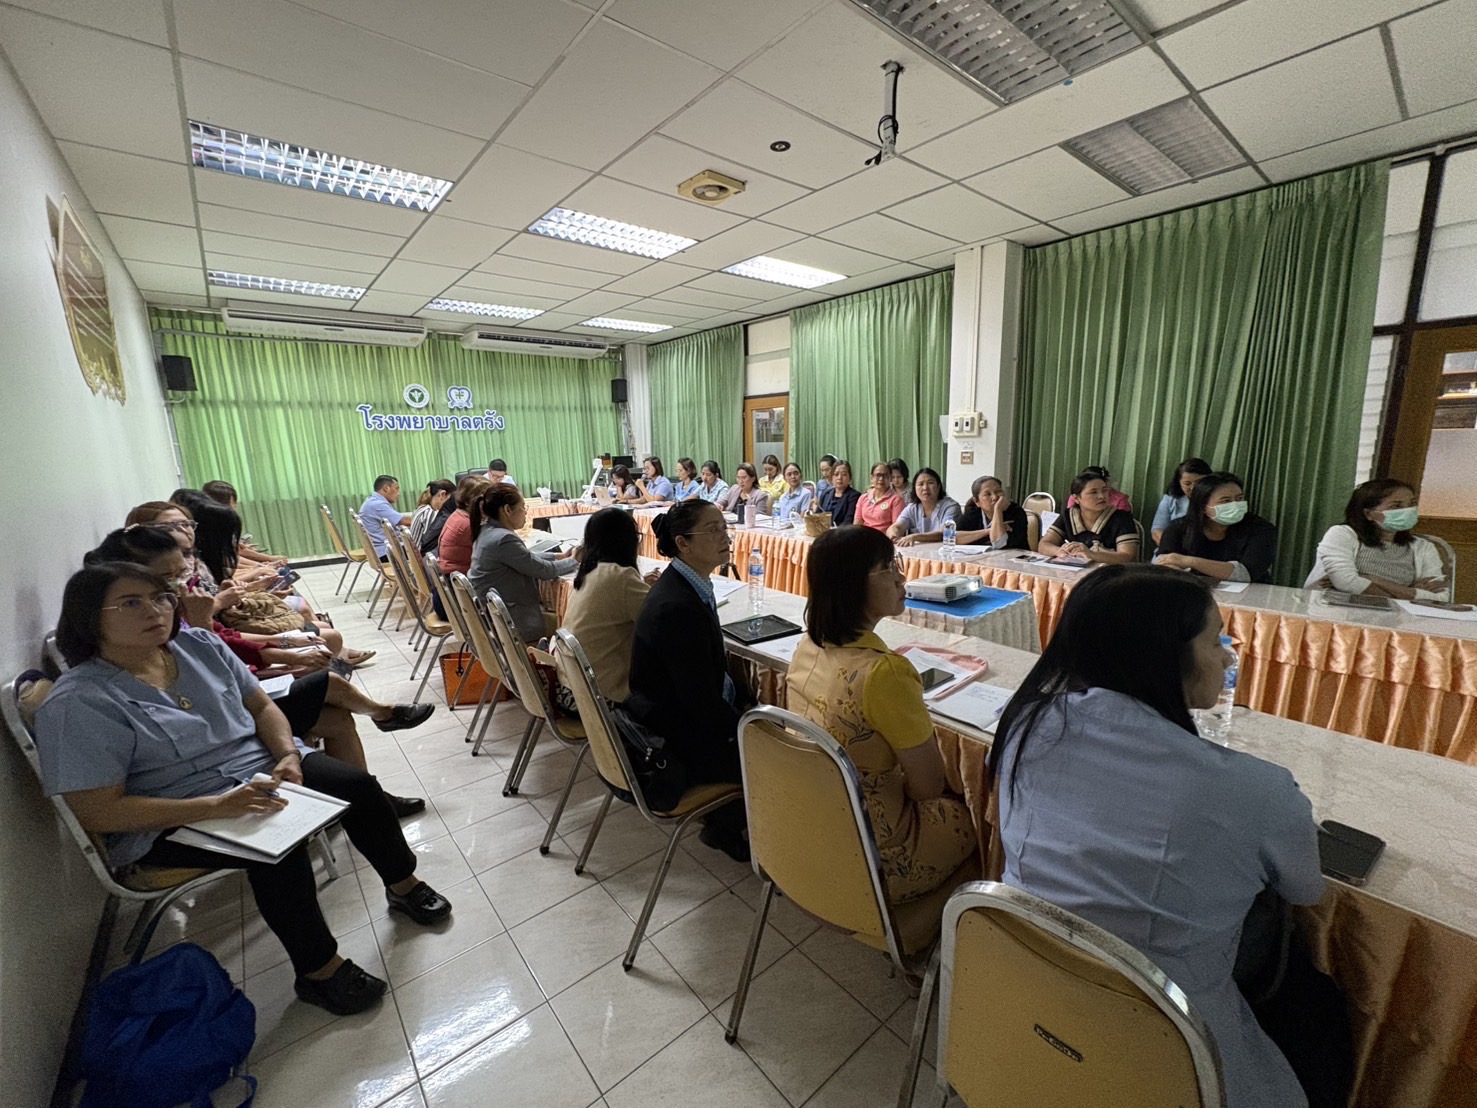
column 268, row 836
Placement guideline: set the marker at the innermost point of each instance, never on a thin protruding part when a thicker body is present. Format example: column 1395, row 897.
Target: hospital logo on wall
column 417, row 396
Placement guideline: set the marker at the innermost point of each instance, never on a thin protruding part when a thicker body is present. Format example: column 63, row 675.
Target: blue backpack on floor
column 167, row 1031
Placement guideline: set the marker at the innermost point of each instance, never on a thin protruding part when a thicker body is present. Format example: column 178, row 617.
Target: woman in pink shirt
column 1116, row 498
column 879, row 506
column 455, row 548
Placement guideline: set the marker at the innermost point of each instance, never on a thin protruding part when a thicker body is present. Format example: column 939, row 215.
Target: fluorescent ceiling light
column 1010, row 48
column 780, row 272
column 1169, row 145
column 473, row 307
column 609, row 234
column 283, row 163
column 625, row 325
column 283, row 284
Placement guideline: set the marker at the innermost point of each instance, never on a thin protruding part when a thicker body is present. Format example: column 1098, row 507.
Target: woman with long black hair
column 1219, row 537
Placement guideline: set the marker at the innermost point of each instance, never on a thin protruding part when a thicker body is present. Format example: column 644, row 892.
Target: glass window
column 1451, row 276
column 1381, row 354
column 1397, row 258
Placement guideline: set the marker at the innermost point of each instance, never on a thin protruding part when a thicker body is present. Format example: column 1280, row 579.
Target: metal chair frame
column 1448, row 559
column 485, row 649
column 383, row 581
column 409, row 566
column 336, row 537
column 1044, row 496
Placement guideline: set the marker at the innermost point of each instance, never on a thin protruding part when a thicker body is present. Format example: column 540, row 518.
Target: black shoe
column 349, row 990
column 729, row 841
column 405, row 716
column 422, row 904
column 405, row 805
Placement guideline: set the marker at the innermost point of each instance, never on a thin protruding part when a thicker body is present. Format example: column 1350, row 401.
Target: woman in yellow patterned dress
column 845, row 679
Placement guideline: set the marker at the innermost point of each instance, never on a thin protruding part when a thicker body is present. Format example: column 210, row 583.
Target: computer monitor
column 622, row 460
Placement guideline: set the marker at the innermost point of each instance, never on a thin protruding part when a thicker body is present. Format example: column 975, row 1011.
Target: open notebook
column 266, row 838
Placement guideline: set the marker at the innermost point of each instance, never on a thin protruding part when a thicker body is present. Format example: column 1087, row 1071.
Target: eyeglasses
column 707, row 531
column 139, row 605
column 895, row 567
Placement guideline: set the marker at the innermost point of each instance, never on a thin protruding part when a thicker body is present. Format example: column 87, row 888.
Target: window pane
column 1451, row 459
column 1451, row 277
column 1381, row 353
column 1402, row 219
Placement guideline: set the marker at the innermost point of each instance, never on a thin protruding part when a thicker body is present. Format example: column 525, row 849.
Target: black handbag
column 663, row 779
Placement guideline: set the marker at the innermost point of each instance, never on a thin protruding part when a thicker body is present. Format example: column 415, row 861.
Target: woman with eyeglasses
column 1219, row 537
column 879, row 507
column 154, row 727
column 680, row 685
column 844, row 678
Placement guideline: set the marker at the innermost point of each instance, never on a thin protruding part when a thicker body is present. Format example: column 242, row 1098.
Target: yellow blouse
column 776, row 487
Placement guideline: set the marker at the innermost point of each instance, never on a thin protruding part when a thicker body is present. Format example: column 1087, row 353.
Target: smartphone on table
column 1346, row 853
column 933, row 677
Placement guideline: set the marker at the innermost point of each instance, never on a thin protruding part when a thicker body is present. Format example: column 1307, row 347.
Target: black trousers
column 286, row 893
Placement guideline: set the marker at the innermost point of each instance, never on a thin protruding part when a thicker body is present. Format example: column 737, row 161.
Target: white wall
column 767, row 357
column 73, row 464
column 983, row 361
column 1451, row 473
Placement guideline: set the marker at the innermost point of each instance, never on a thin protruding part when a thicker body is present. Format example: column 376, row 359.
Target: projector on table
column 944, row 588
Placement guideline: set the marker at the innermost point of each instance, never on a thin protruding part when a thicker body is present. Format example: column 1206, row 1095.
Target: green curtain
column 280, row 420
column 697, row 398
column 1237, row 331
column 869, row 375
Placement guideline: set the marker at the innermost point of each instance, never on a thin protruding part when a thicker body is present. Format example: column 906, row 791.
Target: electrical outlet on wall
column 966, row 424
column 966, row 457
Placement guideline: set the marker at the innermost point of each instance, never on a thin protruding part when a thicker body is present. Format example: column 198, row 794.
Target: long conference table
column 1393, row 677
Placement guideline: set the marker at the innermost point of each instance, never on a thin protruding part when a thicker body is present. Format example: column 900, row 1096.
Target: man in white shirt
column 497, row 473
column 380, row 505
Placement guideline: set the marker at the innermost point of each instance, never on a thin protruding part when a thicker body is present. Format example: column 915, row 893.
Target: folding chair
column 1039, row 501
column 431, row 627
column 484, row 650
column 1448, row 561
column 356, row 558
column 386, row 583
column 1038, row 1006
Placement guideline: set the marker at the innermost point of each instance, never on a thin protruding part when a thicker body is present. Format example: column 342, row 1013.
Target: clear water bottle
column 1215, row 723
column 950, row 530
column 756, row 582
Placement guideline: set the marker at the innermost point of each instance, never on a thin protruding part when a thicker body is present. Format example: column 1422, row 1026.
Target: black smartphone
column 1347, row 853
column 933, row 677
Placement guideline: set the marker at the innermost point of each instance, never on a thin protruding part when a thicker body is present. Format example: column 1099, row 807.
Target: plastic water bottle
column 950, row 530
column 756, row 582
column 1215, row 723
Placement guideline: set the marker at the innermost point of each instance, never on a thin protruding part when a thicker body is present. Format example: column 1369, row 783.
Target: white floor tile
column 410, row 949
column 788, row 920
column 452, row 773
column 500, row 837
column 866, row 974
column 872, row 1076
column 529, row 1063
column 572, row 939
column 584, row 801
column 687, row 885
column 281, row 1018
column 410, row 1098
column 469, row 804
column 625, row 838
column 707, row 946
column 524, row 886
column 699, row 1070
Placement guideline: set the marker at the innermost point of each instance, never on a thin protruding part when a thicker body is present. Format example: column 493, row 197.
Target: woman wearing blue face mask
column 1218, row 537
column 1373, row 551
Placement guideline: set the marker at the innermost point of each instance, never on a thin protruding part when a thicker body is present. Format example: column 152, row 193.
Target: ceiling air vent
column 530, row 343
column 1010, row 48
column 1172, row 144
column 710, row 187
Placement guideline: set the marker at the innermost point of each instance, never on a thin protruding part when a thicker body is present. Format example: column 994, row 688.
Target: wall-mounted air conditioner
column 324, row 326
column 531, row 342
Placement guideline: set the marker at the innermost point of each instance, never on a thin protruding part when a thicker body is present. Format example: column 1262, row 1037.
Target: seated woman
column 1094, row 530
column 991, row 518
column 879, row 507
column 1112, row 806
column 1117, row 499
column 687, row 485
column 454, row 550
column 155, row 727
column 430, row 539
column 680, row 686
column 744, row 491
column 772, row 482
column 623, row 488
column 711, row 486
column 501, row 560
column 823, row 473
column 1176, row 499
column 1373, row 552
column 897, row 479
column 608, row 593
column 1219, row 538
column 433, row 498
column 796, row 499
column 922, row 520
column 218, row 524
column 654, row 487
column 840, row 498
column 223, row 492
column 846, row 680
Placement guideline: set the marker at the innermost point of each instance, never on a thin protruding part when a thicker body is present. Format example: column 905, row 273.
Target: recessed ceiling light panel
column 625, row 325
column 609, row 234
column 282, row 284
column 474, row 307
column 283, row 163
column 1172, row 144
column 779, row 272
column 1010, row 48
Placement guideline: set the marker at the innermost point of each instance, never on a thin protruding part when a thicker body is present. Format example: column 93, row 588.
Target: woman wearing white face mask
column 1218, row 537
column 1373, row 551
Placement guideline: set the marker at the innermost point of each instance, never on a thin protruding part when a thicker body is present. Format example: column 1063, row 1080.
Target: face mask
column 1233, row 511
column 1401, row 519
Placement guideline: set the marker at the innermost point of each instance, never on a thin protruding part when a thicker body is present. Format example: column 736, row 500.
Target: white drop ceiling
column 605, row 106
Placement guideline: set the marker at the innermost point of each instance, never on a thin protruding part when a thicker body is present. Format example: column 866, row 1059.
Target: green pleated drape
column 869, row 375
column 280, row 421
column 1237, row 331
column 697, row 398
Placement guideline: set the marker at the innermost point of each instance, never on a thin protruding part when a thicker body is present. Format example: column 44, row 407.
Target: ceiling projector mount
column 887, row 125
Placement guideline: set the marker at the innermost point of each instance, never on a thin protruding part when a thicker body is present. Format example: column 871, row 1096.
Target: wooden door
column 767, row 428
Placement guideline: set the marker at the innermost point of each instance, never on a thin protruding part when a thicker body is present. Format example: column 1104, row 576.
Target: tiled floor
column 520, row 999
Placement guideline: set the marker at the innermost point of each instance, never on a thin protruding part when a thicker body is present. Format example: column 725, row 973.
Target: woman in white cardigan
column 1373, row 551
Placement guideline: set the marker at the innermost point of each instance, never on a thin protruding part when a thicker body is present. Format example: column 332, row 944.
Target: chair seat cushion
column 699, row 795
column 571, row 729
column 149, row 879
column 438, row 626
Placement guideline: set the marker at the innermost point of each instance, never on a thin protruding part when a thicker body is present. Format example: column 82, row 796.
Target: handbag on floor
column 453, row 668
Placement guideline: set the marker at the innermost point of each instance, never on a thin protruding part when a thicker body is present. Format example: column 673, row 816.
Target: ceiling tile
column 719, row 32
column 1165, row 200
column 662, row 163
column 1156, row 15
column 416, row 277
column 510, row 188
column 295, row 203
column 832, row 256
column 123, row 98
column 789, row 303
column 453, row 242
column 263, row 226
column 748, row 241
column 284, row 42
column 1339, row 90
column 1047, row 184
column 126, row 184
column 246, row 246
column 511, row 37
column 739, row 122
column 504, row 265
column 140, row 19
column 575, row 118
column 593, row 304
column 738, row 289
column 540, row 248
column 655, row 278
column 292, row 271
column 831, row 66
column 1431, row 71
column 495, row 288
column 719, row 301
column 1256, row 33
column 959, row 213
column 550, row 321
column 672, row 310
column 899, row 271
column 943, row 259
column 1115, row 90
column 463, row 291
column 168, row 278
column 884, row 235
column 605, row 196
column 1461, row 119
column 865, row 192
column 174, row 299
column 215, row 94
column 389, row 303
column 1037, row 235
column 141, row 240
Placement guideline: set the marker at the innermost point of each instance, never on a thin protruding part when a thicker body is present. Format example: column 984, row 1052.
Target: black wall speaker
column 618, row 390
column 179, row 373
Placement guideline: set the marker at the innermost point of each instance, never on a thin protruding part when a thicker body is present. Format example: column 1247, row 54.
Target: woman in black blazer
column 680, row 686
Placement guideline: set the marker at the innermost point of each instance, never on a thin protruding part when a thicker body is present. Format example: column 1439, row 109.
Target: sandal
column 356, row 658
